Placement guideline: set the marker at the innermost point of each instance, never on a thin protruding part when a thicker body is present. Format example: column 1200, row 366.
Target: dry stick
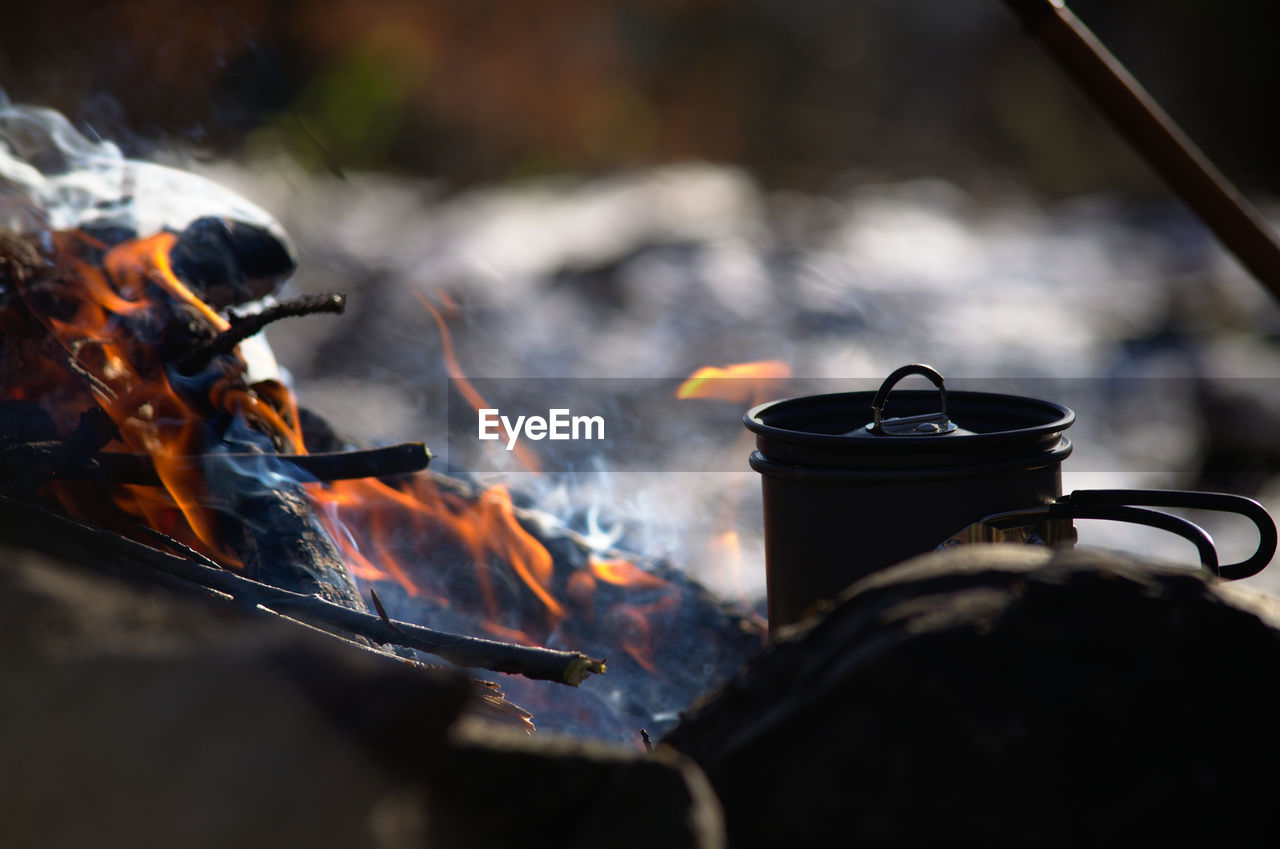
column 532, row 662
column 545, row 664
column 1183, row 167
column 242, row 328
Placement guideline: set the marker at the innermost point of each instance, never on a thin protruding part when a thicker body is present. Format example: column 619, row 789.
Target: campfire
column 144, row 427
column 131, row 401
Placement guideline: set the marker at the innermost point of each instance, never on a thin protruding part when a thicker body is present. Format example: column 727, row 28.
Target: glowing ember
column 623, row 573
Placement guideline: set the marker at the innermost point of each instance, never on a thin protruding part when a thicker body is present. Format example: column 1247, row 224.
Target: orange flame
column 741, row 382
column 111, row 326
column 108, row 311
column 725, row 551
column 636, row 633
column 526, row 457
column 622, row 573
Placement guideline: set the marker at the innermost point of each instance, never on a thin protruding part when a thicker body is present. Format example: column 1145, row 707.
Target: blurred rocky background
column 636, row 188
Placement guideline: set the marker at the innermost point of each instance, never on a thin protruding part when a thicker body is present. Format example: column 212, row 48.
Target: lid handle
column 928, row 424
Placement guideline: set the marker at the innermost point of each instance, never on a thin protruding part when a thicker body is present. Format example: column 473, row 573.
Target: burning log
column 267, row 521
column 275, row 532
column 125, row 322
column 1001, row 695
column 104, row 314
column 668, row 639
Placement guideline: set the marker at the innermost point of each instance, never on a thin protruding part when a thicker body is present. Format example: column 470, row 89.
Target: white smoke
column 54, row 177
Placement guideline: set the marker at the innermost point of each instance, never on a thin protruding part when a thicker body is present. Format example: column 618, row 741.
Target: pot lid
column 909, row 428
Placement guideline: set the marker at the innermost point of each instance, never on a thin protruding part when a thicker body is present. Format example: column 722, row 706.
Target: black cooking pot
column 848, row 492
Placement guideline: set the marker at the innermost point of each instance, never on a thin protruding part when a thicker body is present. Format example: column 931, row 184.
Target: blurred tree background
column 801, row 94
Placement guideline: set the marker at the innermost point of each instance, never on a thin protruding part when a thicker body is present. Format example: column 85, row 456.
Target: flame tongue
column 740, row 382
column 119, row 318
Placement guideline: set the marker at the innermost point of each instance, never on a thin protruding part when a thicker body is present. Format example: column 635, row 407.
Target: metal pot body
column 841, row 502
column 848, row 491
column 826, row 528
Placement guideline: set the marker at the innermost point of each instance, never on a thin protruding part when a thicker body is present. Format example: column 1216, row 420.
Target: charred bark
column 279, row 539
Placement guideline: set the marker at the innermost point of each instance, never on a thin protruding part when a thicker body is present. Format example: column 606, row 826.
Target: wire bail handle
column 926, row 424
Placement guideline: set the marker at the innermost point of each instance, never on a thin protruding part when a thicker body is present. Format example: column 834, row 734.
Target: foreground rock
column 133, row 717
column 998, row 696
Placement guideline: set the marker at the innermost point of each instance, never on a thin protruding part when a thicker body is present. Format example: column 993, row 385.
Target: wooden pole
column 1157, row 139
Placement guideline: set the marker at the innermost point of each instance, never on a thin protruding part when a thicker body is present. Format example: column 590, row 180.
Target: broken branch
column 566, row 667
column 532, row 662
column 242, row 328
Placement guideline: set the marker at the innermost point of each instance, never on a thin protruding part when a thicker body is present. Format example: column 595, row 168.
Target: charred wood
column 27, row 466
column 274, row 530
column 384, row 462
column 243, row 327
column 20, row 261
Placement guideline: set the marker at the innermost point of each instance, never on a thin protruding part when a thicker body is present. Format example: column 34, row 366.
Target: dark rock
column 25, row 421
column 132, row 717
column 995, row 696
column 495, row 791
column 228, row 262
column 317, row 434
column 108, row 232
column 138, row 719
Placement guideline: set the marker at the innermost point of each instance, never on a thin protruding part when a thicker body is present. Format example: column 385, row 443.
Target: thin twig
column 382, row 611
column 242, row 328
column 648, row 744
column 178, row 546
column 532, row 662
column 95, row 383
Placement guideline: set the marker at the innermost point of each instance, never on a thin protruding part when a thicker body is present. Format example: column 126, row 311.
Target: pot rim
column 960, row 403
